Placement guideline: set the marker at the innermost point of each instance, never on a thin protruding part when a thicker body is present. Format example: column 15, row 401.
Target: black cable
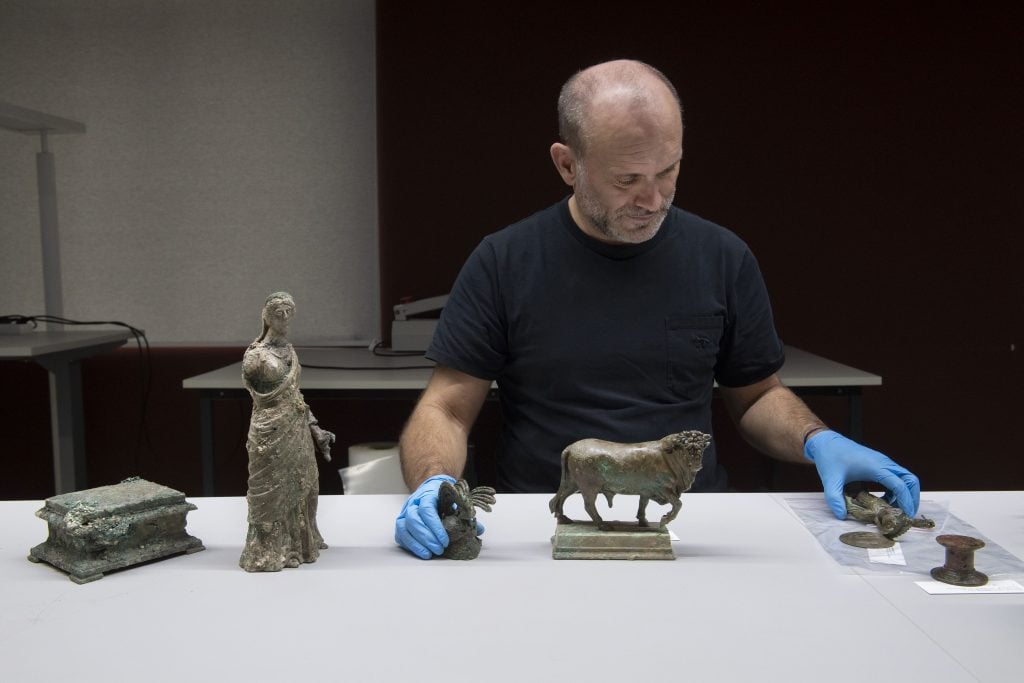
column 145, row 360
column 363, row 367
column 377, row 350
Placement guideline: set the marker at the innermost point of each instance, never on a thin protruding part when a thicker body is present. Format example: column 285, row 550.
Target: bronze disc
column 866, row 539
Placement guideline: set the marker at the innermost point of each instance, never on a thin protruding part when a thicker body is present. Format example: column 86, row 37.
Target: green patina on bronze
column 619, row 541
column 98, row 530
column 653, row 470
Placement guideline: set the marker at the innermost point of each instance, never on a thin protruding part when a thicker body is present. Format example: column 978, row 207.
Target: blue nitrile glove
column 418, row 528
column 841, row 461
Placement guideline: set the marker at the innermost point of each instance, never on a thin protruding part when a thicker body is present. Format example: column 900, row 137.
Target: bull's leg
column 641, row 513
column 590, row 504
column 564, row 491
column 671, row 514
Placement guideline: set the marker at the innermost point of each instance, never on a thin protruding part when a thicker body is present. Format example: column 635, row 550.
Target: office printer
column 414, row 323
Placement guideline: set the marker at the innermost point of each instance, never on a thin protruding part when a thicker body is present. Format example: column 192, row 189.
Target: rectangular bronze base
column 625, row 541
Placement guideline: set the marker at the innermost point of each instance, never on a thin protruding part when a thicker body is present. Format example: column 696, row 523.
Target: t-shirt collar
column 618, row 252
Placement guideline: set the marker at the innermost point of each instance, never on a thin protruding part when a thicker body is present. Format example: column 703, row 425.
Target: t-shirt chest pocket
column 693, row 343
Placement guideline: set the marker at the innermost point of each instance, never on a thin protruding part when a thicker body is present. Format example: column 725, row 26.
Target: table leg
column 856, row 415
column 206, row 442
column 67, row 425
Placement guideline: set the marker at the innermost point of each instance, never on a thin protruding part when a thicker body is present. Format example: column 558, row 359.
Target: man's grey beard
column 601, row 219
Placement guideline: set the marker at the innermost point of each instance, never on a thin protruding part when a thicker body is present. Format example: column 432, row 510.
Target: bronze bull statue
column 654, row 470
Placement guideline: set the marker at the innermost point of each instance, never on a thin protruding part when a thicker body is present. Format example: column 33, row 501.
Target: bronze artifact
column 283, row 478
column 891, row 521
column 98, row 530
column 866, row 539
column 654, row 470
column 456, row 505
column 959, row 567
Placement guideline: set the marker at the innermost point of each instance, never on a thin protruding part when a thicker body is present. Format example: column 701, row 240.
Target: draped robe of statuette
column 283, row 476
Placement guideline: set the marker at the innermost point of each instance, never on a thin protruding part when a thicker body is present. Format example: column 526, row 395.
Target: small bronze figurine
column 456, row 505
column 283, row 478
column 891, row 521
column 654, row 470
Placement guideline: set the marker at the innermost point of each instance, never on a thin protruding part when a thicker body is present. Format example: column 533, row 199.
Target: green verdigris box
column 112, row 527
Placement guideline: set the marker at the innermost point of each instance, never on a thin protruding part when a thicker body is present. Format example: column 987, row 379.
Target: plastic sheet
column 918, row 547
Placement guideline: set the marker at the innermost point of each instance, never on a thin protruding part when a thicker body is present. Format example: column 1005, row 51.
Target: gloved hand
column 418, row 527
column 841, row 461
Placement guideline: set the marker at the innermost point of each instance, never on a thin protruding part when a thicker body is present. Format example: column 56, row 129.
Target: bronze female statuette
column 283, row 434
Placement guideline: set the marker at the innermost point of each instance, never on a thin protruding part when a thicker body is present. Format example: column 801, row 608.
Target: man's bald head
column 620, row 84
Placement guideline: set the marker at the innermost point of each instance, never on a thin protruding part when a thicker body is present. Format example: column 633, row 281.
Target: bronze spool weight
column 959, row 568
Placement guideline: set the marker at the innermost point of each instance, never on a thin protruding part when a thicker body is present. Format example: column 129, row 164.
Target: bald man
column 610, row 315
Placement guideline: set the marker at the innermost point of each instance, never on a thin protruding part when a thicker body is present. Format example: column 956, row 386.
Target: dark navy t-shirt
column 616, row 342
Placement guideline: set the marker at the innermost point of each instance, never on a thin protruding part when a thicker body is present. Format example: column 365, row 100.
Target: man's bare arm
column 771, row 418
column 776, row 422
column 434, row 439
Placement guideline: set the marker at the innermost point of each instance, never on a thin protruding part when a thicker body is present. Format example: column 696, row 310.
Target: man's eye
column 626, row 181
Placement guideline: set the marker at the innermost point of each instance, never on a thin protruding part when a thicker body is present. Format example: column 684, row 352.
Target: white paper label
column 893, row 555
column 1002, row 586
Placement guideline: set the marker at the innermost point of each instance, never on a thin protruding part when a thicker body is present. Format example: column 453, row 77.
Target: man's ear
column 565, row 163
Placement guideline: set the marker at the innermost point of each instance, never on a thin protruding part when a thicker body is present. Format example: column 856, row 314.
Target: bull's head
column 692, row 444
column 685, row 453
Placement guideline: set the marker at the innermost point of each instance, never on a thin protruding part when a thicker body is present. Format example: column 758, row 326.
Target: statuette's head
column 277, row 313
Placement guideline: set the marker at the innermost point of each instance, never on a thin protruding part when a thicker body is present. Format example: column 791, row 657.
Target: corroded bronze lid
column 131, row 495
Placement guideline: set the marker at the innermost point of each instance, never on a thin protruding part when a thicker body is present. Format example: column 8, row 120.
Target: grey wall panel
column 229, row 153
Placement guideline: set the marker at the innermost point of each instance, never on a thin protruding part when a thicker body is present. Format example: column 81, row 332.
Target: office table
column 367, row 376
column 59, row 352
column 751, row 596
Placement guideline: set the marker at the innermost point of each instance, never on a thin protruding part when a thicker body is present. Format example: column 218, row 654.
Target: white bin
column 373, row 468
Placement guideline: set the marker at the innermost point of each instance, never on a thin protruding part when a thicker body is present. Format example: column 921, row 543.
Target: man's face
column 625, row 184
column 625, row 208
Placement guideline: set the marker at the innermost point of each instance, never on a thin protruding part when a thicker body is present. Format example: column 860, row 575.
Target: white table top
column 365, row 371
column 44, row 342
column 751, row 596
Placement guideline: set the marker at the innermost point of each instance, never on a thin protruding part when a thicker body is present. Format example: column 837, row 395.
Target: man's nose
column 648, row 197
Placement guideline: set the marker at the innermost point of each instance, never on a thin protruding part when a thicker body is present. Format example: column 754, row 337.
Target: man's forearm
column 434, row 439
column 431, row 443
column 776, row 422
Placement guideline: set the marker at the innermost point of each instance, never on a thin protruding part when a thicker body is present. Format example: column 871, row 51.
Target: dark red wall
column 160, row 443
column 870, row 153
column 158, row 437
